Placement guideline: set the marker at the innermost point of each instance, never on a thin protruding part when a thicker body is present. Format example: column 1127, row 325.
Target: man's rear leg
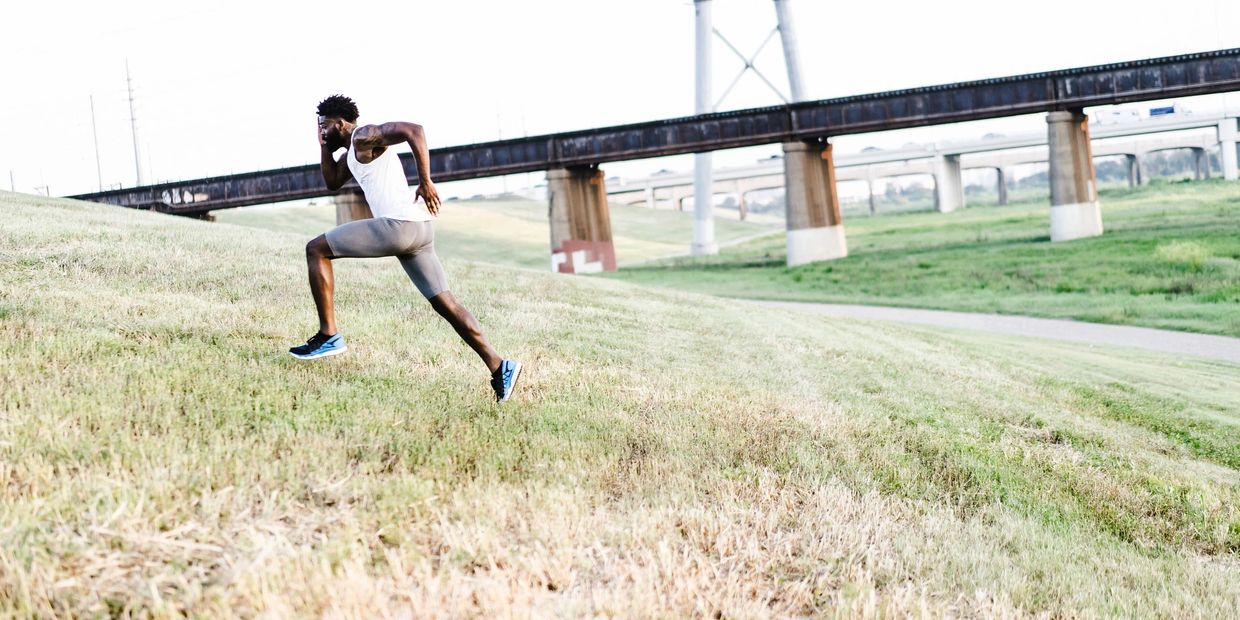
column 504, row 372
column 467, row 328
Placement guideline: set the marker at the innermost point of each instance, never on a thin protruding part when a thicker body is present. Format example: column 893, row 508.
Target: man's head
column 335, row 112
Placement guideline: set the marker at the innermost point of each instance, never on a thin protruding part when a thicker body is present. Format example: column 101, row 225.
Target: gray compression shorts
column 413, row 243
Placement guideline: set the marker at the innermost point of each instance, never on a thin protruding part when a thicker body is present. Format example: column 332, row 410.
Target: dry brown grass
column 668, row 455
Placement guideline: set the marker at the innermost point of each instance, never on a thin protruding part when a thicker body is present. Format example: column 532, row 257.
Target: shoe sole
column 316, row 356
column 516, row 374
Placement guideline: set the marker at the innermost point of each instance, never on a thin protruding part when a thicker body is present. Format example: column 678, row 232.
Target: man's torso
column 382, row 179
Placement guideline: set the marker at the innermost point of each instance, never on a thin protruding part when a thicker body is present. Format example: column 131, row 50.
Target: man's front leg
column 322, row 285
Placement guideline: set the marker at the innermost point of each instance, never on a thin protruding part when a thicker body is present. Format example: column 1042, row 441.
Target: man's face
column 331, row 128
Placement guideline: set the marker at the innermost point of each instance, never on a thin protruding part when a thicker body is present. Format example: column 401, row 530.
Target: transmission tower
column 704, row 103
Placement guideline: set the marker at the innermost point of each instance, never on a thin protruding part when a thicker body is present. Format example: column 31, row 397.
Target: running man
column 401, row 227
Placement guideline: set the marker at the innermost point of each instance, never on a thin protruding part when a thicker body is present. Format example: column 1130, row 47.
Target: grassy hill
column 511, row 232
column 1170, row 258
column 667, row 454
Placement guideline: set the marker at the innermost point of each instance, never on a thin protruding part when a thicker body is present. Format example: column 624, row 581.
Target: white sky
column 231, row 86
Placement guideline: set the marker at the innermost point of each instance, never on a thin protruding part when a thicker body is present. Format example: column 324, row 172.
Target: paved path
column 1166, row 341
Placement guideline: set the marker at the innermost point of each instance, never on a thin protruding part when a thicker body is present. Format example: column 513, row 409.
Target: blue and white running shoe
column 504, row 379
column 320, row 346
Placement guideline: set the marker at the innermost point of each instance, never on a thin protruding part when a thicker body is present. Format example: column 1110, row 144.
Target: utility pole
column 95, row 132
column 133, row 123
column 703, row 198
column 12, row 183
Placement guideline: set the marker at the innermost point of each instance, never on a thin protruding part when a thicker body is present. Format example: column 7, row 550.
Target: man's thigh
column 366, row 239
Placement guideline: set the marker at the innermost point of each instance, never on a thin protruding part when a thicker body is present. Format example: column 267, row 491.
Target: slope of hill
column 667, row 454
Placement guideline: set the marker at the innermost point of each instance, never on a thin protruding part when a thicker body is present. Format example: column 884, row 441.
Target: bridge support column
column 815, row 229
column 869, row 190
column 948, row 186
column 1201, row 164
column 351, row 206
column 580, row 221
column 1134, row 171
column 1075, row 212
column 742, row 209
column 1001, row 184
column 1228, row 135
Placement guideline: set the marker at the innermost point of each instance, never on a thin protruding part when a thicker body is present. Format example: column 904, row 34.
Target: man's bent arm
column 415, row 136
column 391, row 134
column 335, row 173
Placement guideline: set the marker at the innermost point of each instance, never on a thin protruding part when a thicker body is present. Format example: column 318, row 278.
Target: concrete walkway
column 1166, row 341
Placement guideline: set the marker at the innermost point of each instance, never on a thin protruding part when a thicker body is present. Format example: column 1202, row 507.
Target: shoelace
column 500, row 380
column 317, row 340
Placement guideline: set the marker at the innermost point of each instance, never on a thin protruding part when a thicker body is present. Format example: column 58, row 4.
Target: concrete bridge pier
column 1001, row 183
column 948, row 186
column 1228, row 135
column 815, row 228
column 1134, row 171
column 1201, row 164
column 1075, row 211
column 580, row 221
column 351, row 206
column 742, row 208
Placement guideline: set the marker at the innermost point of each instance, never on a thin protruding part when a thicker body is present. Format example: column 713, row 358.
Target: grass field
column 511, row 232
column 667, row 455
column 1170, row 258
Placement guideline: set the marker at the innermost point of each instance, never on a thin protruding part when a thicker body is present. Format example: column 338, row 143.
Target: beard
column 336, row 141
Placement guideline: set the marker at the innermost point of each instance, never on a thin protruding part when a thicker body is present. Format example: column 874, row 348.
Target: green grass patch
column 1170, row 258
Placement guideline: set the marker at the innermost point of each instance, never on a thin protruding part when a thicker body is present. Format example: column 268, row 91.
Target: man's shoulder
column 367, row 134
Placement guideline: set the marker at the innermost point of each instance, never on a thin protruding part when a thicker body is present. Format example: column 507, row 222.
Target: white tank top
column 387, row 191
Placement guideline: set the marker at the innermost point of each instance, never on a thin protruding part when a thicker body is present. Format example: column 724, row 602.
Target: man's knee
column 444, row 303
column 318, row 248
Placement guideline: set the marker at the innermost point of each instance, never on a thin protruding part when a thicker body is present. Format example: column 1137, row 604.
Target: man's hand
column 430, row 195
column 322, row 139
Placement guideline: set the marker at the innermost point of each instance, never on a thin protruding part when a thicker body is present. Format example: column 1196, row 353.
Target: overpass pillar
column 351, row 206
column 1134, row 171
column 815, row 229
column 580, row 221
column 1075, row 212
column 1201, row 164
column 742, row 208
column 948, row 186
column 1001, row 183
column 1228, row 135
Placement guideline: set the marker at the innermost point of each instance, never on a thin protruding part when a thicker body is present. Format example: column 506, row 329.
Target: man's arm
column 390, row 134
column 335, row 173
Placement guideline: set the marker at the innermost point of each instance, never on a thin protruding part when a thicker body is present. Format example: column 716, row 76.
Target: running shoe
column 504, row 379
column 318, row 346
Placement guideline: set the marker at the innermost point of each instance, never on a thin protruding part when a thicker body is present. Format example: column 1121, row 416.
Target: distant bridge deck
column 1140, row 80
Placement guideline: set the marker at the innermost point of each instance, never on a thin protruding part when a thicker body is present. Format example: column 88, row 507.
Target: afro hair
column 339, row 105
